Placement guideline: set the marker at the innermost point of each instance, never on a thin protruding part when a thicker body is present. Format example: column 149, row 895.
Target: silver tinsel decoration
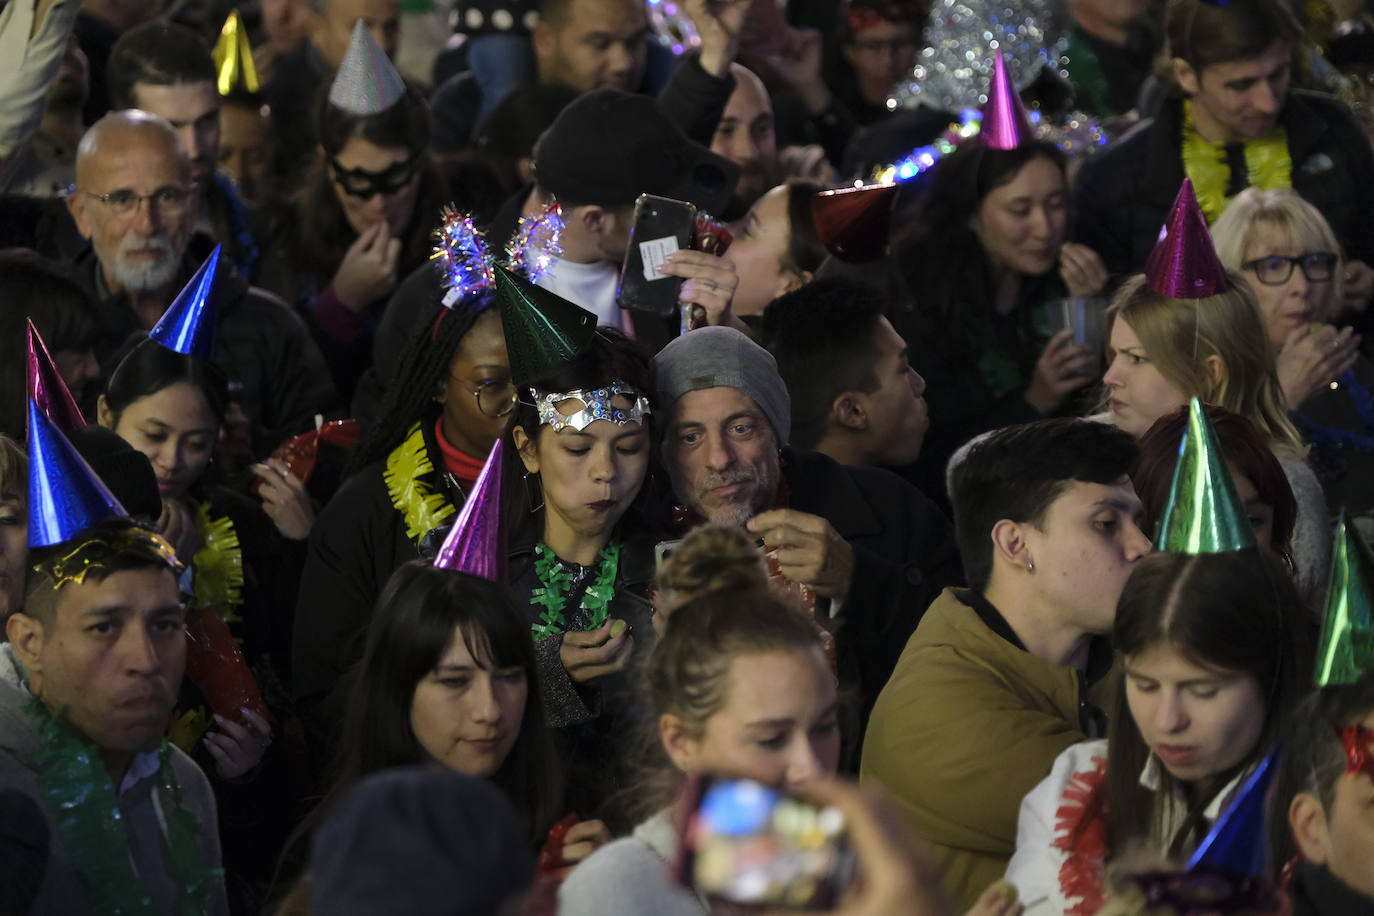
column 954, row 69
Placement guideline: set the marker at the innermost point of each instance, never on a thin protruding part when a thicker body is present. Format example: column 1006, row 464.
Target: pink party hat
column 474, row 544
column 1005, row 123
column 366, row 82
column 46, row 388
column 1184, row 263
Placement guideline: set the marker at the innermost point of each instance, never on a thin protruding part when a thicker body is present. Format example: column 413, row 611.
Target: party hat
column 66, row 497
column 474, row 543
column 234, row 60
column 1345, row 650
column 366, row 82
column 188, row 325
column 46, row 388
column 1184, row 263
column 1203, row 514
column 543, row 330
column 1236, row 846
column 852, row 223
column 1005, row 124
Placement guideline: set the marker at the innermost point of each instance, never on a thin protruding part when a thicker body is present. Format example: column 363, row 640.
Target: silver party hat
column 366, row 82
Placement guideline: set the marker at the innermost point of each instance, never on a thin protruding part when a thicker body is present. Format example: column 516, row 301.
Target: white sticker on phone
column 654, row 253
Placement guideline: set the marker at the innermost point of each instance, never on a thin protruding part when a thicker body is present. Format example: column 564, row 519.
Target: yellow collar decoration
column 1267, row 165
column 423, row 508
column 217, row 567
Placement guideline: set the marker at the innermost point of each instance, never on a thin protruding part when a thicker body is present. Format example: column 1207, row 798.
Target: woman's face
column 14, row 548
column 393, row 204
column 175, row 428
column 759, row 253
column 1198, row 720
column 1297, row 302
column 1140, row 395
column 779, row 724
column 1260, row 513
column 1021, row 223
column 466, row 714
column 77, row 368
column 478, row 377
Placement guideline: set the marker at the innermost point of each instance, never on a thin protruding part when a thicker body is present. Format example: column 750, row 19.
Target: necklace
column 217, row 567
column 423, row 509
column 1267, row 165
column 556, row 582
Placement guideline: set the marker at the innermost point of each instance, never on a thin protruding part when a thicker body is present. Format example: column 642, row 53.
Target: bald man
column 136, row 203
column 745, row 136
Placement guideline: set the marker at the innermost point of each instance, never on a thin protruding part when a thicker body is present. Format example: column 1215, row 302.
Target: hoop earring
column 529, row 495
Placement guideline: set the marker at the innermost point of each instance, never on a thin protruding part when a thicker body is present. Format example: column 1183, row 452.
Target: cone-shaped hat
column 1203, row 514
column 1236, row 845
column 46, row 388
column 366, row 82
column 474, row 544
column 1346, row 648
column 1005, row 124
column 1184, row 262
column 188, row 325
column 233, row 55
column 853, row 223
column 66, row 497
column 543, row 330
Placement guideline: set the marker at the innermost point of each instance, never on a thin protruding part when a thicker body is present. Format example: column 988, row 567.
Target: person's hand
column 718, row 24
column 581, row 840
column 809, row 550
column 998, row 899
column 711, row 282
column 1313, row 357
column 178, row 527
column 1058, row 372
column 1358, row 286
column 1082, row 269
column 799, row 65
column 807, row 162
column 590, row 654
column 284, row 499
column 238, row 748
column 368, row 270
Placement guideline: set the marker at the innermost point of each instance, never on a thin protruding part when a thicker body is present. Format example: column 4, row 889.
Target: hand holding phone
column 661, row 227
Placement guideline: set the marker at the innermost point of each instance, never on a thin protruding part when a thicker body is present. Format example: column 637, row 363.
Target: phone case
column 661, row 226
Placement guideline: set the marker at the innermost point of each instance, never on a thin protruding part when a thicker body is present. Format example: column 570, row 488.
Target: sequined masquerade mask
column 596, row 405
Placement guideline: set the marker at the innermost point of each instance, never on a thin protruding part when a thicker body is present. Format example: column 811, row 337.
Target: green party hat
column 1203, row 514
column 543, row 330
column 1346, row 648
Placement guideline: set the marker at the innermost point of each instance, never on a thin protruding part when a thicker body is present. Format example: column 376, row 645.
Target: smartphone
column 746, row 843
column 661, row 226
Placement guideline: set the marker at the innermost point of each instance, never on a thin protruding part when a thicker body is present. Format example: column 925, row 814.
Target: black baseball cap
column 608, row 147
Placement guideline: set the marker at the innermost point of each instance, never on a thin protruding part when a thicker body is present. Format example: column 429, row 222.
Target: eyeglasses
column 168, row 200
column 365, row 185
column 1276, row 269
column 495, row 398
column 877, row 46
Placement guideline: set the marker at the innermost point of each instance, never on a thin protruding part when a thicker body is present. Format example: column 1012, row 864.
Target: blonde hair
column 14, row 472
column 1287, row 215
column 1180, row 334
column 711, row 558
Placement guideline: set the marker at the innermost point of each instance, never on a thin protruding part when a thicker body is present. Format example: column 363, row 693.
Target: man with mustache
column 873, row 549
column 135, row 201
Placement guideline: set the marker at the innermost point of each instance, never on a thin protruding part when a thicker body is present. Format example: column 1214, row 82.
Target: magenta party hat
column 1237, row 844
column 46, row 388
column 66, row 497
column 1184, row 263
column 188, row 325
column 474, row 544
column 366, row 83
column 1005, row 123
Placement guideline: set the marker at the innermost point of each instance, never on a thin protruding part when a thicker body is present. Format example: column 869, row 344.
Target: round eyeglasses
column 169, row 200
column 1276, row 269
column 495, row 397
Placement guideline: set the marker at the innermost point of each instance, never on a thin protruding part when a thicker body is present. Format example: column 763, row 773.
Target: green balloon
column 1203, row 514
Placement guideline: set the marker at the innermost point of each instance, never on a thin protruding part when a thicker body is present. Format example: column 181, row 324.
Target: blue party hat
column 474, row 543
column 1237, row 845
column 188, row 325
column 66, row 497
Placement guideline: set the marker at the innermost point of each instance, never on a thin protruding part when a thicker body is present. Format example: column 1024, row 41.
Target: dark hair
column 150, row 367
column 414, row 622
column 1313, row 759
column 824, row 338
column 1203, row 33
column 32, row 287
column 155, row 54
column 1017, row 473
column 511, row 130
column 110, row 549
column 804, row 249
column 1236, row 612
column 1242, row 445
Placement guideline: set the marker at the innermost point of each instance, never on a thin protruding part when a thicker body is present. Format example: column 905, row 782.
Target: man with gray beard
column 135, row 201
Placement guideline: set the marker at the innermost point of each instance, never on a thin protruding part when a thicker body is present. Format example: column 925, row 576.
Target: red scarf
column 462, row 466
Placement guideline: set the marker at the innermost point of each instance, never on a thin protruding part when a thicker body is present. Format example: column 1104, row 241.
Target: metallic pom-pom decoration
column 535, row 246
column 461, row 257
column 670, row 26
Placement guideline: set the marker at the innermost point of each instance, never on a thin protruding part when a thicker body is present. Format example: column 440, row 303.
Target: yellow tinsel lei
column 423, row 509
column 217, row 567
column 1267, row 164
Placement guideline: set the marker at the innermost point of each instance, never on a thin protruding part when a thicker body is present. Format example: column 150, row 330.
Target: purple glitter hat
column 474, row 543
column 46, row 388
column 1184, row 263
column 1005, row 124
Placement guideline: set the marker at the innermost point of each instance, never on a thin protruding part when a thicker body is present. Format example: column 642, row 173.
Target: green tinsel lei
column 77, row 792
column 556, row 582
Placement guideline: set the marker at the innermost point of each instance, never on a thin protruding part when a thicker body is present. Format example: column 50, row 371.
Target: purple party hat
column 46, row 388
column 1005, row 123
column 188, row 325
column 474, row 544
column 66, row 497
column 1237, row 845
column 1184, row 263
column 366, row 82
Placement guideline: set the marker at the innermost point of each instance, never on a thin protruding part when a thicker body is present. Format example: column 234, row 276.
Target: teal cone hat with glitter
column 366, row 83
column 1203, row 514
column 1345, row 650
column 543, row 330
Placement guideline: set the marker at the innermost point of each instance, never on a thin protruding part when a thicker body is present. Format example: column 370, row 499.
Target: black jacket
column 1317, row 892
column 1122, row 196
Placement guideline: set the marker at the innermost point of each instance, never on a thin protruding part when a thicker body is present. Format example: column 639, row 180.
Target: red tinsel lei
column 1080, row 832
column 1356, row 741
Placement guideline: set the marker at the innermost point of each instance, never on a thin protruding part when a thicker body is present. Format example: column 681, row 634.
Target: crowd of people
column 369, row 545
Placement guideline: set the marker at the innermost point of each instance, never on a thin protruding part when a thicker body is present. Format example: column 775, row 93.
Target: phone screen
column 661, row 227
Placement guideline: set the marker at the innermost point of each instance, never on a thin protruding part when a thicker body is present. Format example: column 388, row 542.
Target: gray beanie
column 720, row 357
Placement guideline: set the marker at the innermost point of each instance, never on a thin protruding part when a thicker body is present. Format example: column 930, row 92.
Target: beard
column 765, row 487
column 147, row 274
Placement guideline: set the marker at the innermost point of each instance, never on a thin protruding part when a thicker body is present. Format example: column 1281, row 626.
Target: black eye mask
column 365, row 185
